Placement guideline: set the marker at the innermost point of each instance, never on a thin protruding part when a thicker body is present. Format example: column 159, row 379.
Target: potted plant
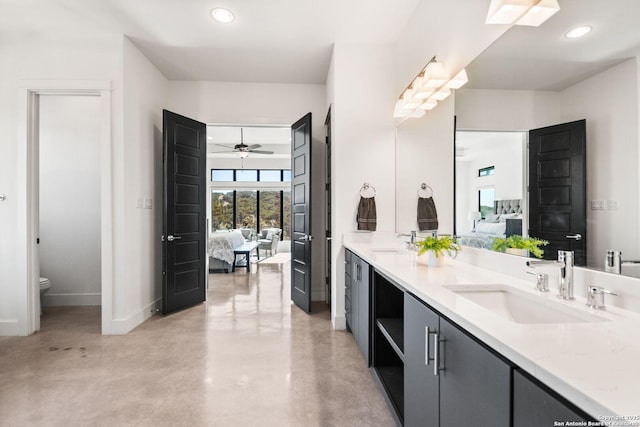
column 431, row 250
column 519, row 245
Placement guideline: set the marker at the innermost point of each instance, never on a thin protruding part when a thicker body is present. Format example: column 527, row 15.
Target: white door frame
column 28, row 285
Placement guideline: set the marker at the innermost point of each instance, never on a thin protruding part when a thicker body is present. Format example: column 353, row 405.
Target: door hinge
column 38, row 241
column 162, row 238
column 164, row 273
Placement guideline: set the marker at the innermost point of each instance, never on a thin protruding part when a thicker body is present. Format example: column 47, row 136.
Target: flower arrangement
column 531, row 244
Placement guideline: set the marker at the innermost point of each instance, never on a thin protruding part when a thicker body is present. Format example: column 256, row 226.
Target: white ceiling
column 290, row 41
column 286, row 41
column 542, row 58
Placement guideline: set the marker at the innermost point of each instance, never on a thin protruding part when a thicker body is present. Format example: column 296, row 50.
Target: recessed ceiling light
column 222, row 15
column 578, row 32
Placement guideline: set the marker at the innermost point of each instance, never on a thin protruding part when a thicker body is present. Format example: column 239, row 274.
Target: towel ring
column 425, row 191
column 367, row 188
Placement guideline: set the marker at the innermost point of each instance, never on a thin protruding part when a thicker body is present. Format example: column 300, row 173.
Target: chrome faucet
column 565, row 279
column 613, row 262
column 411, row 244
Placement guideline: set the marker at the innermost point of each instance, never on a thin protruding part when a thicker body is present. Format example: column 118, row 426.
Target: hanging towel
column 366, row 217
column 427, row 214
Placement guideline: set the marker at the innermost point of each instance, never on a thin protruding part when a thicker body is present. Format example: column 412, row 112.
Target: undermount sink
column 521, row 307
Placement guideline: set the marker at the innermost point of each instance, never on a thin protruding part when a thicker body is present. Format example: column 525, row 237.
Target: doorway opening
column 66, row 205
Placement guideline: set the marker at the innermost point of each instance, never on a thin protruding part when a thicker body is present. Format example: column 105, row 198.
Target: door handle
column 306, row 238
column 575, row 236
column 171, row 237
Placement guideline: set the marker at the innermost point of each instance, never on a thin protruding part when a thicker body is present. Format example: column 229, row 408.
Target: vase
column 430, row 259
column 519, row 252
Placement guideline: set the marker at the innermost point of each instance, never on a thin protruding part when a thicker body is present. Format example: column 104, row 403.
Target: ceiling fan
column 242, row 149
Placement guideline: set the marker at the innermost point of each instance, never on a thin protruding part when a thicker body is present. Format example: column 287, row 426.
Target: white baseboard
column 339, row 322
column 124, row 326
column 54, row 300
column 9, row 328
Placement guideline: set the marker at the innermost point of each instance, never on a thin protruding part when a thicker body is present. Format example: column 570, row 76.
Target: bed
column 221, row 248
column 505, row 221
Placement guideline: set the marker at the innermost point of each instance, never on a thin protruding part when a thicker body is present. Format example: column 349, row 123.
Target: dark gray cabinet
column 534, row 405
column 421, row 386
column 357, row 300
column 450, row 379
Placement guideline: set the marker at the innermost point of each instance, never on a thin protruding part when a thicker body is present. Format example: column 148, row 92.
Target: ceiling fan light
column 242, row 154
column 539, row 13
column 508, row 11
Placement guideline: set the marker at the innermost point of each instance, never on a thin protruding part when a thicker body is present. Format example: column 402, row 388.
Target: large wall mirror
column 536, row 77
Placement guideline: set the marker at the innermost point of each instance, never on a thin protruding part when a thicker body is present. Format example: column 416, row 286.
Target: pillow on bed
column 497, row 228
column 492, row 218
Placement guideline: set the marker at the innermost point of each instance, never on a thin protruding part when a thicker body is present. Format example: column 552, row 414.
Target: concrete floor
column 245, row 357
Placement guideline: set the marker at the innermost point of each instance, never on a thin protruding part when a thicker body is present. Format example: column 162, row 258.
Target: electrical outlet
column 597, row 205
column 147, row 202
column 612, row 205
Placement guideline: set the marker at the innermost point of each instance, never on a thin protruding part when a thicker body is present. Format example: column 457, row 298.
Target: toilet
column 44, row 287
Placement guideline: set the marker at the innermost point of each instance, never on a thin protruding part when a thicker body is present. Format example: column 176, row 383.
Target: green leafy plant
column 438, row 245
column 531, row 244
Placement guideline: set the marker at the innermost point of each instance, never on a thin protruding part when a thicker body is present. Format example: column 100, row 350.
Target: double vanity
column 467, row 345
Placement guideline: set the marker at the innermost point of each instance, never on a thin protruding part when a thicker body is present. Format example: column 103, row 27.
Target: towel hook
column 365, row 188
column 425, row 191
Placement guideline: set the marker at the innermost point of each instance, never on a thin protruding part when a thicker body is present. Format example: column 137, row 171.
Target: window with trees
column 263, row 207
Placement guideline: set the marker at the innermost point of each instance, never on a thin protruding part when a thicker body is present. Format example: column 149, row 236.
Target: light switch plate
column 597, row 205
column 612, row 205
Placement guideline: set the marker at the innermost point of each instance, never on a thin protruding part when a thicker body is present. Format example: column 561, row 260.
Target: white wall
column 612, row 157
column 266, row 103
column 37, row 59
column 69, row 169
column 138, row 174
column 361, row 89
column 612, row 143
column 426, row 148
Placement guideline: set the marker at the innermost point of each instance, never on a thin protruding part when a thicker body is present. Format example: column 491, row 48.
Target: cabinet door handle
column 427, row 332
column 426, row 346
column 358, row 271
column 436, row 338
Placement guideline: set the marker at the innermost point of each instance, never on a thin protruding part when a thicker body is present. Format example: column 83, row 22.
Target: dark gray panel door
column 184, row 212
column 301, row 213
column 557, row 188
column 534, row 407
column 421, row 386
column 475, row 385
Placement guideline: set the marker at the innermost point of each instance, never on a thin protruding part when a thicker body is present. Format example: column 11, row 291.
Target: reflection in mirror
column 489, row 186
column 535, row 77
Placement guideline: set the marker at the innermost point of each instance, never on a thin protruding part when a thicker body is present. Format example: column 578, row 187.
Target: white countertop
column 593, row 365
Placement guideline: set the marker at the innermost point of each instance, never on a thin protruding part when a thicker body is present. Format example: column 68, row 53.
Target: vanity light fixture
column 574, row 33
column 521, row 12
column 432, row 84
column 222, row 15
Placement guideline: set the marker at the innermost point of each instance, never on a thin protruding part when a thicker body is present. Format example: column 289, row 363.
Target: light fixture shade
column 508, row 11
column 399, row 111
column 442, row 94
column 539, row 13
column 474, row 215
column 409, row 102
column 242, row 154
column 458, row 80
column 434, row 75
column 222, row 15
column 429, row 104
